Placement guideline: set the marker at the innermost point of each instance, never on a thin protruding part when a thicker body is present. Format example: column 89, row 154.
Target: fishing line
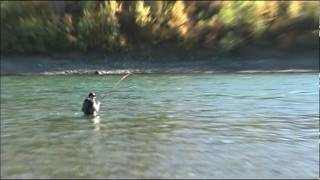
column 112, row 89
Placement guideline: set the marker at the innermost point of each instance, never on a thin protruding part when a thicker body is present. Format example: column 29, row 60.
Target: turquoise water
column 161, row 126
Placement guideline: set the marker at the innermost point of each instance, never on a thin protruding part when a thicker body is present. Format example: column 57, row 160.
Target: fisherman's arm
column 96, row 105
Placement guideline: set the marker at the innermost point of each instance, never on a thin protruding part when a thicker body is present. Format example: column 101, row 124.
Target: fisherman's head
column 92, row 95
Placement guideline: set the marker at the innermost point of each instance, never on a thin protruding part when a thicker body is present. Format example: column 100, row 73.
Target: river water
column 161, row 126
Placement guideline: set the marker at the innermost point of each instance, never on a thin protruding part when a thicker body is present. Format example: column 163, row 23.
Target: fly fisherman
column 90, row 105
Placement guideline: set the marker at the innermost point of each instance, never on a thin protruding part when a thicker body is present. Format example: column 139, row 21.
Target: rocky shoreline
column 156, row 71
column 85, row 65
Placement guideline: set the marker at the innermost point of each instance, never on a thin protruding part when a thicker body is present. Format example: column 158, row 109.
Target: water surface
column 161, row 126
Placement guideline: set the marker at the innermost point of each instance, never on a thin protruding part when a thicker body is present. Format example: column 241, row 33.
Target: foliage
column 109, row 26
column 98, row 27
column 142, row 14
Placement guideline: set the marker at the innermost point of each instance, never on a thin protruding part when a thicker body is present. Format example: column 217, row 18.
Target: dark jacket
column 87, row 106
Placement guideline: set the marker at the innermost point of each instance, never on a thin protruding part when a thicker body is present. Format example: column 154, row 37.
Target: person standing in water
column 90, row 105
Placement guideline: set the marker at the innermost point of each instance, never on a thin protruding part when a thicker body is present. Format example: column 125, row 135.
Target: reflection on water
column 95, row 120
column 161, row 126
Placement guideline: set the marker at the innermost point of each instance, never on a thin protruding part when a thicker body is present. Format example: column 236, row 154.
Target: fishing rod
column 112, row 89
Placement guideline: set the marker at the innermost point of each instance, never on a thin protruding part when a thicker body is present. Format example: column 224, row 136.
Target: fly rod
column 112, row 89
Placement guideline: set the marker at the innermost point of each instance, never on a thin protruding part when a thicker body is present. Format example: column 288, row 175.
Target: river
column 162, row 126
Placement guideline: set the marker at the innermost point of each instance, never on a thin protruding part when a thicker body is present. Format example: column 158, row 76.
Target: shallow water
column 161, row 126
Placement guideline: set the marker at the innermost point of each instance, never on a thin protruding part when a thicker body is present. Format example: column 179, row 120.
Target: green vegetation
column 127, row 26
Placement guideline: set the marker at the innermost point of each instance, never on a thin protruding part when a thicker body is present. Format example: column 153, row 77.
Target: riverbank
column 89, row 64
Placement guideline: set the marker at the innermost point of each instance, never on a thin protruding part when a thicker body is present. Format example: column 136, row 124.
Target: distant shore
column 77, row 64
